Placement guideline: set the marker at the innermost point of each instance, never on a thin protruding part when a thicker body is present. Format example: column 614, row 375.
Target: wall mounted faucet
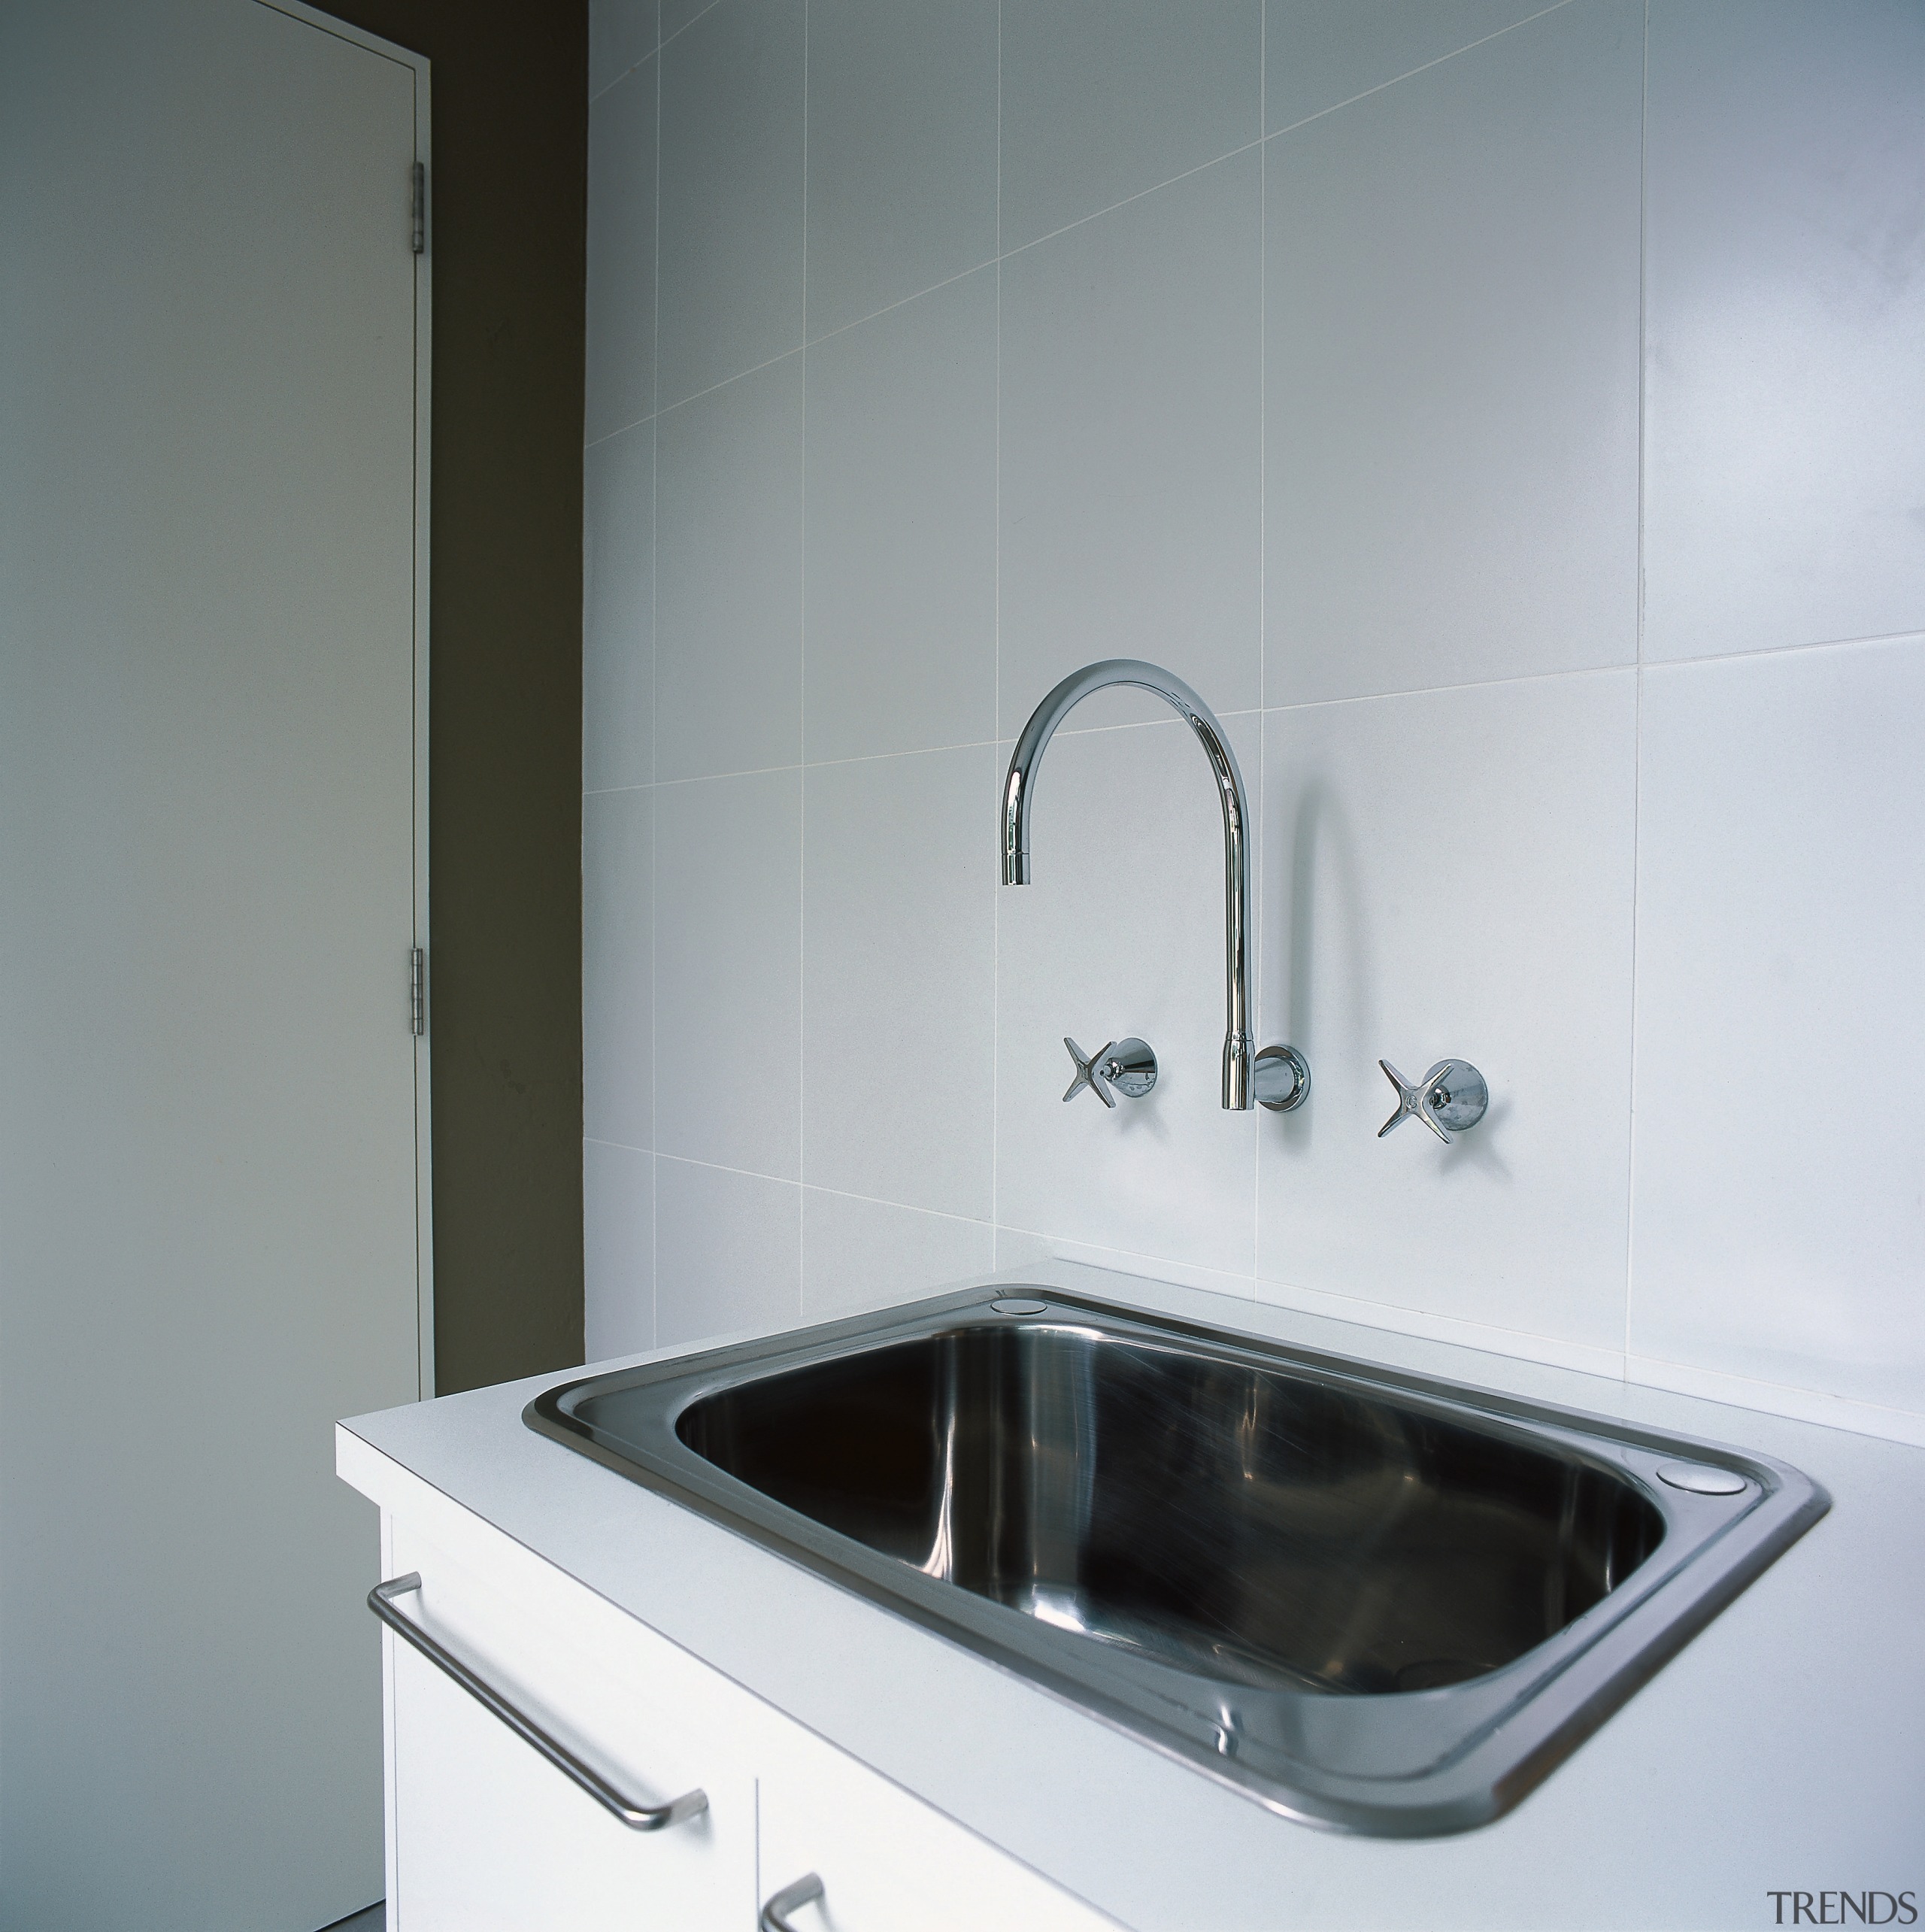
column 1019, row 788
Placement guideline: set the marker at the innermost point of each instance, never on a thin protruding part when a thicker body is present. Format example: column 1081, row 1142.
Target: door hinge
column 420, row 206
column 418, row 992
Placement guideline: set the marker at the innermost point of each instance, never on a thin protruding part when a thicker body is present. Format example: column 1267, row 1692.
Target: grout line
column 1788, row 649
column 1395, row 79
column 817, row 1187
column 917, row 751
column 1256, row 911
column 747, row 1173
column 802, row 714
column 654, row 716
column 811, row 342
column 755, row 368
column 602, row 92
column 620, row 429
column 686, row 25
column 1637, row 695
column 1438, row 690
column 996, row 687
column 1262, row 366
column 1144, row 194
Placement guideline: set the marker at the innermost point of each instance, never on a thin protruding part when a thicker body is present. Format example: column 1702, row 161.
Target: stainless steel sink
column 1368, row 1600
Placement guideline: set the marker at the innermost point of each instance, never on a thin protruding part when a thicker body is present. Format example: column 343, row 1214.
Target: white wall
column 1514, row 426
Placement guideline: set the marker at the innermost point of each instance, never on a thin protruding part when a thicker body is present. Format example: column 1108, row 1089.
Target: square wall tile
column 1450, row 874
column 618, row 1251
column 1452, row 478
column 901, row 519
column 732, row 194
column 727, row 965
column 1102, row 99
column 1784, row 484
column 1131, row 470
column 898, row 977
column 858, row 1255
column 1316, row 56
column 1779, row 1230
column 902, row 150
column 619, row 382
column 728, row 1253
column 617, row 967
column 729, row 578
column 1121, row 933
column 618, row 610
column 620, row 33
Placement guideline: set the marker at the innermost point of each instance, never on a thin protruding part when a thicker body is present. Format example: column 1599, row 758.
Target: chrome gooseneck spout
column 1019, row 788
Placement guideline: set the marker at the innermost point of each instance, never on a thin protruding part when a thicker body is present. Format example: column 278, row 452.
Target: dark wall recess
column 509, row 197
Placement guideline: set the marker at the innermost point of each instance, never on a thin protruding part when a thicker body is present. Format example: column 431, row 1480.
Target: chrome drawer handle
column 636, row 1817
column 790, row 1898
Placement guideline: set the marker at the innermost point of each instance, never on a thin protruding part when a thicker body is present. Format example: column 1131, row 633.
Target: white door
column 209, row 888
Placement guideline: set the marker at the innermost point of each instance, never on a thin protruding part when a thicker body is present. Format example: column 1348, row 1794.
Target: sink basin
column 1368, row 1600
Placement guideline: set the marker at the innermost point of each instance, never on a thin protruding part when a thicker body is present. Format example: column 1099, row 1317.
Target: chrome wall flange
column 1283, row 1079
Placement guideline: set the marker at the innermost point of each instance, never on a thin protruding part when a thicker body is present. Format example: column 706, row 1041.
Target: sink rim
column 1508, row 1729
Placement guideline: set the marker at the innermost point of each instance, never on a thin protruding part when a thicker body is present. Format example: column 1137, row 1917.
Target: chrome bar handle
column 636, row 1817
column 775, row 1914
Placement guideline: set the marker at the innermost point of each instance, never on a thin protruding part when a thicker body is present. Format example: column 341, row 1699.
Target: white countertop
column 1783, row 1749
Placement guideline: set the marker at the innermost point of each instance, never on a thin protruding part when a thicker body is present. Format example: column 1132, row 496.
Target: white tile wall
column 618, row 966
column 990, row 340
column 1103, row 99
column 901, row 545
column 618, row 1244
column 728, row 971
column 1452, row 389
column 859, row 1254
column 1779, row 1198
column 727, row 1250
column 902, row 151
column 729, row 578
column 730, row 213
column 619, row 340
column 1132, row 364
column 899, row 972
column 1785, row 354
column 621, row 35
column 618, row 610
column 1450, row 874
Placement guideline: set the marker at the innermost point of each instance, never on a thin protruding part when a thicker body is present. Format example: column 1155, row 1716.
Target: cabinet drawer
column 887, row 1862
column 488, row 1832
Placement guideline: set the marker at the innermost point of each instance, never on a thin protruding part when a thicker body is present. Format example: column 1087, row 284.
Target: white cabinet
column 887, row 1861
column 490, row 1837
column 487, row 1835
